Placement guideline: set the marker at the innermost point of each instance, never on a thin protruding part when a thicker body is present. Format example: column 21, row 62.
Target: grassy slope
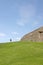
column 21, row 53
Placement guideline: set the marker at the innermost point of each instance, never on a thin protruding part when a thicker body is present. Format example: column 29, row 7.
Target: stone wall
column 36, row 35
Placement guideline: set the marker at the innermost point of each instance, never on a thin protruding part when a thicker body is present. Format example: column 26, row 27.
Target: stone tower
column 36, row 35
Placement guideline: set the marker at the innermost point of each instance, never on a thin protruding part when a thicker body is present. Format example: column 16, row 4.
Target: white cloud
column 40, row 17
column 2, row 34
column 22, row 22
column 35, row 23
column 15, row 33
column 25, row 13
column 17, row 39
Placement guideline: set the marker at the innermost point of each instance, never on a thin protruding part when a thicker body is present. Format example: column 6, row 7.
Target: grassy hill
column 21, row 53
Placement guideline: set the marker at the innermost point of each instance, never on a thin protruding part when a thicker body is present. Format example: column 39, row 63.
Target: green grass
column 21, row 53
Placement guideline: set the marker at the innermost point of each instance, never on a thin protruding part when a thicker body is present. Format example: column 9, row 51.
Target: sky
column 19, row 17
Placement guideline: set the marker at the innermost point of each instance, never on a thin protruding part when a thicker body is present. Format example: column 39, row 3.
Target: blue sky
column 19, row 17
